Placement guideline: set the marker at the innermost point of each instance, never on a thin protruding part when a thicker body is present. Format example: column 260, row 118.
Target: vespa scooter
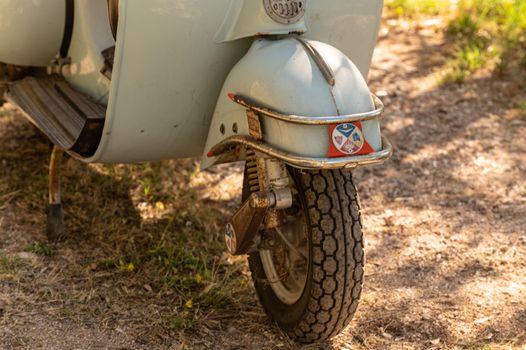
column 279, row 84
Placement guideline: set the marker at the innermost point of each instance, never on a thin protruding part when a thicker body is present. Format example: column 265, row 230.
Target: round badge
column 285, row 11
column 348, row 139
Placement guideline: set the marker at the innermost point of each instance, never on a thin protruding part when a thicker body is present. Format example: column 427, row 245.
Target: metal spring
column 252, row 171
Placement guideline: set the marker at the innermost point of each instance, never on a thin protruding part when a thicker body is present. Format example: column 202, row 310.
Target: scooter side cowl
column 31, row 31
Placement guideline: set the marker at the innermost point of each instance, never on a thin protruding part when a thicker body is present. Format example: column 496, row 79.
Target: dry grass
column 145, row 267
column 145, row 246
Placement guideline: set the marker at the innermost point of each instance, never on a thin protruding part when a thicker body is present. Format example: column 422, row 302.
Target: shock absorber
column 270, row 193
column 252, row 171
column 268, row 175
column 278, row 184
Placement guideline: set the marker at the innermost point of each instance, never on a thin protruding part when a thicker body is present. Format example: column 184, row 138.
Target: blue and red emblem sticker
column 348, row 140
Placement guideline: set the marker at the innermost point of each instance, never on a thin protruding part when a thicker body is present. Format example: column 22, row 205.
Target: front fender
column 281, row 75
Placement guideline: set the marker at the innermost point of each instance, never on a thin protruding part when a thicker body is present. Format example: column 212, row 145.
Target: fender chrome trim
column 296, row 119
column 229, row 144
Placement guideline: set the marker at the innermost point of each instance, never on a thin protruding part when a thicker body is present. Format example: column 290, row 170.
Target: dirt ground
column 445, row 222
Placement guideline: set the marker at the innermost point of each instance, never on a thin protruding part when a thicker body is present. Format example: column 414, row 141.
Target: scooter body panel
column 167, row 75
column 91, row 35
column 171, row 60
column 31, row 31
column 351, row 26
column 169, row 69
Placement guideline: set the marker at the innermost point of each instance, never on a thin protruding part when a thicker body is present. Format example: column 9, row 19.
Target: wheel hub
column 286, row 266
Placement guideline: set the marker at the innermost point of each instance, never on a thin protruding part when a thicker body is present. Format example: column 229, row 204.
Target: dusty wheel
column 310, row 280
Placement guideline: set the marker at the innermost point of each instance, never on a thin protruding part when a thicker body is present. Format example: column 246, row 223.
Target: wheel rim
column 287, row 266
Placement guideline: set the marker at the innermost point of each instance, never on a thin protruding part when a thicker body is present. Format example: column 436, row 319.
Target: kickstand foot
column 55, row 215
column 55, row 222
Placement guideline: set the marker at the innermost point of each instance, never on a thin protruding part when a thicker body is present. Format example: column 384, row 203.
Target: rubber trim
column 68, row 28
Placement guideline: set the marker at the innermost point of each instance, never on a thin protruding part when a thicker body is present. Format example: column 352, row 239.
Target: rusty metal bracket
column 55, row 215
column 254, row 125
column 244, row 225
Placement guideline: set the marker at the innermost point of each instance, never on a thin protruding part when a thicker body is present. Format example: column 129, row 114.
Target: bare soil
column 445, row 222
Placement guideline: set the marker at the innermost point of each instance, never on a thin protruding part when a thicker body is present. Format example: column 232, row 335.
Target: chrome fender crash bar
column 255, row 141
column 305, row 162
column 304, row 120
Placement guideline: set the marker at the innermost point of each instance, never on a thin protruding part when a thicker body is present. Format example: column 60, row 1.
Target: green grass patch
column 196, row 275
column 489, row 34
column 415, row 8
column 106, row 264
column 521, row 109
column 216, row 298
column 4, row 113
column 8, row 264
column 151, row 182
column 521, row 105
column 41, row 248
column 182, row 322
column 174, row 258
column 467, row 61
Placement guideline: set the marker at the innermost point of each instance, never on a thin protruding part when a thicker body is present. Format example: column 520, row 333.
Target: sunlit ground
column 445, row 224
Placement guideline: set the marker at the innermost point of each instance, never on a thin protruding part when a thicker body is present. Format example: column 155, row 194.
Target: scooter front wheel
column 309, row 276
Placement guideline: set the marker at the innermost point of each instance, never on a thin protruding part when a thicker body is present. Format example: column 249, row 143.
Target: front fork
column 271, row 193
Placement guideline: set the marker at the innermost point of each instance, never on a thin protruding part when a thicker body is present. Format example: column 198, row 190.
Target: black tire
column 330, row 204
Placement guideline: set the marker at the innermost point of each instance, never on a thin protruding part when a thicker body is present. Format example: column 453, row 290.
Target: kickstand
column 55, row 215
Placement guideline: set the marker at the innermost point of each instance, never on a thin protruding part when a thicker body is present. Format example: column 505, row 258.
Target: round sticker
column 348, row 139
column 285, row 11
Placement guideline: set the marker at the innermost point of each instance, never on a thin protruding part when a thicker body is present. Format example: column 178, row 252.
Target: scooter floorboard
column 71, row 119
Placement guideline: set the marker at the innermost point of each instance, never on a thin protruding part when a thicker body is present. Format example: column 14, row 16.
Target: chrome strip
column 305, row 162
column 297, row 119
column 323, row 66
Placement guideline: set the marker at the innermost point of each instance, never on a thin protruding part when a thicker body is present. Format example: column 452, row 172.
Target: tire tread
column 337, row 252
